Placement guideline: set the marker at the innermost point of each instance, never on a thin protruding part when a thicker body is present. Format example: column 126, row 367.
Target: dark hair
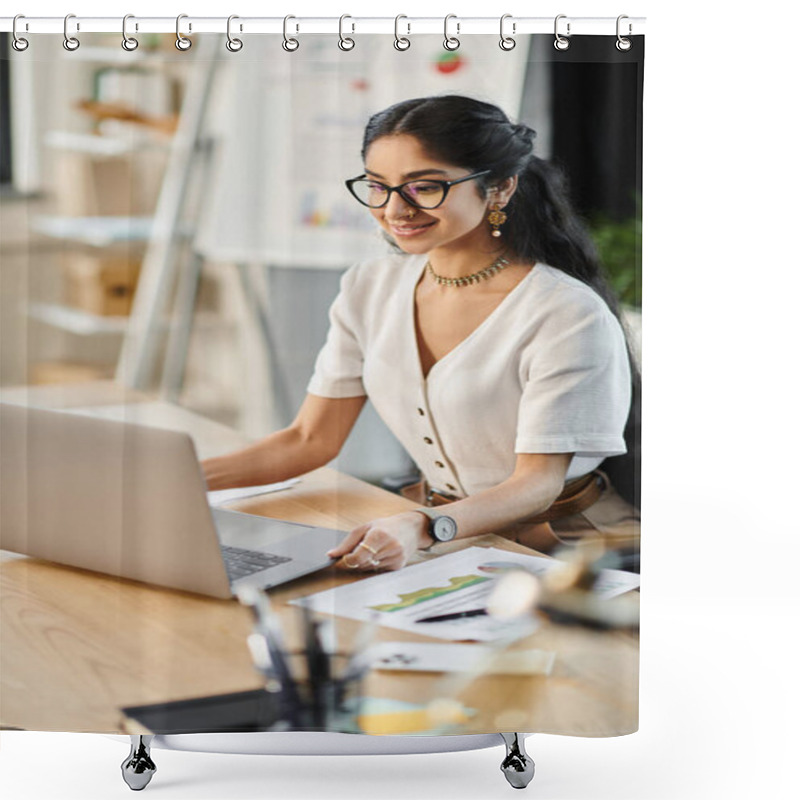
column 542, row 225
column 475, row 135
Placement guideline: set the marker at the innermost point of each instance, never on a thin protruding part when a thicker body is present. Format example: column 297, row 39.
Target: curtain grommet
column 507, row 43
column 128, row 42
column 70, row 43
column 346, row 43
column 451, row 43
column 19, row 43
column 623, row 44
column 233, row 44
column 181, row 42
column 401, row 43
column 561, row 42
column 289, row 43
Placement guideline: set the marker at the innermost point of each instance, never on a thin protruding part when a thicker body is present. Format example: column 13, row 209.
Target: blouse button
column 421, row 412
column 439, row 464
column 451, row 487
column 428, row 440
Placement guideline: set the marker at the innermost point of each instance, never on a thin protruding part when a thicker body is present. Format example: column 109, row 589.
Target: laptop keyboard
column 240, row 562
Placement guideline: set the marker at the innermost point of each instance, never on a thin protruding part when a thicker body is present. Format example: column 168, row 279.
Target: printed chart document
column 452, row 583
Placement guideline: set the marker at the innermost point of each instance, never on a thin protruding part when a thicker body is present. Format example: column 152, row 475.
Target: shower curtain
column 206, row 185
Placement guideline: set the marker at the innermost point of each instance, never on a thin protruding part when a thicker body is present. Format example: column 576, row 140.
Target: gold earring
column 496, row 218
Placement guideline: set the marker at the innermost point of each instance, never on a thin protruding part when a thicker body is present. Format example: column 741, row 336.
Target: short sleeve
column 339, row 365
column 576, row 385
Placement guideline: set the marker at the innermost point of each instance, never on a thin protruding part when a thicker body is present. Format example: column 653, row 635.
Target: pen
column 326, row 638
column 269, row 628
column 475, row 612
column 358, row 664
column 318, row 666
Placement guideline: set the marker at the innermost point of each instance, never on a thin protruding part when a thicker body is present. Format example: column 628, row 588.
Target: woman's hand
column 383, row 544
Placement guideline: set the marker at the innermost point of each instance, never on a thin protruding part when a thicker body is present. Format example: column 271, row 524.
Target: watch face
column 444, row 529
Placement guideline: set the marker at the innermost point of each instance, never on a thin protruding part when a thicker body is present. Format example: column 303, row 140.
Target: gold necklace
column 484, row 274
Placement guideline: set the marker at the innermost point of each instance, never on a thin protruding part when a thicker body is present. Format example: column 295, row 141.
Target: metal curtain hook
column 451, row 42
column 506, row 42
column 561, row 42
column 70, row 42
column 233, row 45
column 401, row 42
column 181, row 42
column 622, row 43
column 289, row 44
column 345, row 42
column 18, row 43
column 128, row 42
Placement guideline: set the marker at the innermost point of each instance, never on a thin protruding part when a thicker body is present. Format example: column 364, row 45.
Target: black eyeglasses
column 425, row 194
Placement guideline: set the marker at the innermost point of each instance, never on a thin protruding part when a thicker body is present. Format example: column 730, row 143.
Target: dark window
column 596, row 107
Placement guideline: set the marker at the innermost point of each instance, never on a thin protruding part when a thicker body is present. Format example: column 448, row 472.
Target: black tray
column 255, row 710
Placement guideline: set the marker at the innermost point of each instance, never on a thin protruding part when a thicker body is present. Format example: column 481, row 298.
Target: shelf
column 101, row 231
column 102, row 145
column 95, row 231
column 76, row 321
column 83, row 323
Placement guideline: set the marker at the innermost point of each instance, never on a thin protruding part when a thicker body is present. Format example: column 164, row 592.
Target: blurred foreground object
column 567, row 594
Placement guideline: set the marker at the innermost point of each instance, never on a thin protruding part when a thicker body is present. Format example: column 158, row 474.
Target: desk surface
column 76, row 646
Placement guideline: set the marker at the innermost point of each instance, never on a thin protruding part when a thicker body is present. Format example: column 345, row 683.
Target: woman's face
column 459, row 222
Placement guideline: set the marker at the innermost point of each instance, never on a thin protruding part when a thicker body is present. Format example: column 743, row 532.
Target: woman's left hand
column 382, row 544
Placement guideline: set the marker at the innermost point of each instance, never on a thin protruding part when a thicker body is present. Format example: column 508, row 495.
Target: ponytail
column 542, row 226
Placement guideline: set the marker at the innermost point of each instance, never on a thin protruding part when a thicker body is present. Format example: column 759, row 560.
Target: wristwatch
column 440, row 527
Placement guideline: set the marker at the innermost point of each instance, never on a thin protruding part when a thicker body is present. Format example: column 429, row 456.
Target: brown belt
column 576, row 496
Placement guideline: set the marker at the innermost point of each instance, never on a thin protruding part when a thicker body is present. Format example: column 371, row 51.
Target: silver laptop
column 130, row 500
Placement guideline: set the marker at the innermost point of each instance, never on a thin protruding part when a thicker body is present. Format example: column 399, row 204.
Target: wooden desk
column 76, row 646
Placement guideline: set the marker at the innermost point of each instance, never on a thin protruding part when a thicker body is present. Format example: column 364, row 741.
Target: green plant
column 619, row 244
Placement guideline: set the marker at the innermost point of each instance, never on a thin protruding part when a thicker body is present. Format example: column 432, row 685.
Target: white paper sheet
column 435, row 657
column 222, row 496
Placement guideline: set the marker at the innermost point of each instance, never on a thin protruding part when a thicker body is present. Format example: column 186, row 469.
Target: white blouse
column 546, row 372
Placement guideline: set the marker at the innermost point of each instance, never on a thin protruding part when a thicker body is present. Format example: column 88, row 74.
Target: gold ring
column 367, row 547
column 349, row 566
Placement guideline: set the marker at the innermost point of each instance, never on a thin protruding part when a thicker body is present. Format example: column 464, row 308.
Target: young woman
column 489, row 343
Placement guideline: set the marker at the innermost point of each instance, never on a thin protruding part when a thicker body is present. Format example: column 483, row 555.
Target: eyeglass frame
column 444, row 184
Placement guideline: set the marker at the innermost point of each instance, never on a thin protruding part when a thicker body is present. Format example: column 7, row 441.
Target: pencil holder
column 327, row 699
column 316, row 687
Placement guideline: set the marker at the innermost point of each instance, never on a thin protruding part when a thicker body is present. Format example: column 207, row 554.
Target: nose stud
column 410, row 215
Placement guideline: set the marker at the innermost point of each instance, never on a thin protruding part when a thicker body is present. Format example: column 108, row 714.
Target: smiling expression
column 460, row 222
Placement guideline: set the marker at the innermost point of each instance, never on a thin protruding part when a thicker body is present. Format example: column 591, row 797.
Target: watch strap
column 433, row 515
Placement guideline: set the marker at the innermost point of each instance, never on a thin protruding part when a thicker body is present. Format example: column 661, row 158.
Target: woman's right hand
column 383, row 544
